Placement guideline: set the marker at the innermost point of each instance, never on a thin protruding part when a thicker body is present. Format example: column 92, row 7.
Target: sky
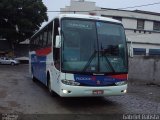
column 55, row 5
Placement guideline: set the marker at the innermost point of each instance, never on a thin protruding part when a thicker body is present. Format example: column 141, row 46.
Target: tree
column 19, row 19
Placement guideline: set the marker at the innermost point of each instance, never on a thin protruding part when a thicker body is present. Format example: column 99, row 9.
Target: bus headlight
column 66, row 91
column 70, row 82
column 121, row 83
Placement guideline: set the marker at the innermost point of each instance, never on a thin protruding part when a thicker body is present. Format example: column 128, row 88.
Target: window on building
column 92, row 13
column 156, row 26
column 117, row 18
column 140, row 24
column 139, row 51
column 154, row 51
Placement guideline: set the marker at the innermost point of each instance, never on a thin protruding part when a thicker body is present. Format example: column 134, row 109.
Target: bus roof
column 88, row 17
column 60, row 16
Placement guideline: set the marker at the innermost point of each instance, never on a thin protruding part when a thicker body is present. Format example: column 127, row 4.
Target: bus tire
column 52, row 93
column 32, row 75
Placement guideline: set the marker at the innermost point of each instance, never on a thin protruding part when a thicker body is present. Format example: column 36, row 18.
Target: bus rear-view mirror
column 58, row 41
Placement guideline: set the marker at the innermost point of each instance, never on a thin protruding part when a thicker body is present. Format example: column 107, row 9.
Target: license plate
column 97, row 92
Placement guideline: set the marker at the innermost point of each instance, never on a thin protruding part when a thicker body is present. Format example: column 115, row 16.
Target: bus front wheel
column 49, row 86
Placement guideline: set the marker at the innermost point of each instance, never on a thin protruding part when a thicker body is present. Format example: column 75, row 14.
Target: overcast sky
column 55, row 5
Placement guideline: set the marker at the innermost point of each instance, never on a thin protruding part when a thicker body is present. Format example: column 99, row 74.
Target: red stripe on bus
column 43, row 52
column 123, row 76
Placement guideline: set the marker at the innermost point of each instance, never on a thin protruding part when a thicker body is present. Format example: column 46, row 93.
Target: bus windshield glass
column 93, row 47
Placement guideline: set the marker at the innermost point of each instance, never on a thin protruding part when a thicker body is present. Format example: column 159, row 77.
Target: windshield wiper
column 89, row 61
column 93, row 56
column 103, row 51
column 109, row 63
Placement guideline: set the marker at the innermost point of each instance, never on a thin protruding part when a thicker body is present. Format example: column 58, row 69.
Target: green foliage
column 19, row 19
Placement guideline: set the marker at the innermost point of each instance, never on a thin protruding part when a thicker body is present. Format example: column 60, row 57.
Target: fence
column 145, row 69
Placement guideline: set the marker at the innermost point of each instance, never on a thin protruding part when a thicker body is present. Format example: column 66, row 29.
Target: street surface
column 19, row 95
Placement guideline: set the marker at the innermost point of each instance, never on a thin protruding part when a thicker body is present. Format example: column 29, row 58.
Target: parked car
column 8, row 61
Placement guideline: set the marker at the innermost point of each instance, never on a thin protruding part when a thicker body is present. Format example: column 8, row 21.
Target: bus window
column 32, row 44
column 40, row 44
column 36, row 42
column 45, row 38
column 50, row 28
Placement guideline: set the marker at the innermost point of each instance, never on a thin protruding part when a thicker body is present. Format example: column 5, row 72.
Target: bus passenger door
column 56, row 58
column 56, row 70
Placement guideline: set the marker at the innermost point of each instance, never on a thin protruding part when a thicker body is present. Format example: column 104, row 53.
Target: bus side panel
column 54, row 74
column 39, row 60
column 42, row 69
column 39, row 67
column 34, row 66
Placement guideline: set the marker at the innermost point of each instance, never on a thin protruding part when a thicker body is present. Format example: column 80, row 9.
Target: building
column 19, row 50
column 5, row 47
column 142, row 27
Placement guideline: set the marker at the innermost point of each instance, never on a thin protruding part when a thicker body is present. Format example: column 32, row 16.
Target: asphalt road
column 18, row 94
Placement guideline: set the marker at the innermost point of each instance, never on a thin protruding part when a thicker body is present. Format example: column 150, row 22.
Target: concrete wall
column 129, row 23
column 131, row 14
column 145, row 69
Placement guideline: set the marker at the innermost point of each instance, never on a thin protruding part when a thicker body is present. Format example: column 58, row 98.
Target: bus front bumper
column 84, row 91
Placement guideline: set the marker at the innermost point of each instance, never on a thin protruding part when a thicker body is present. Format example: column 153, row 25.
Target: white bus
column 80, row 55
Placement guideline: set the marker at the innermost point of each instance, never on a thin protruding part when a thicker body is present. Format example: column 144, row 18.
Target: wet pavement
column 18, row 94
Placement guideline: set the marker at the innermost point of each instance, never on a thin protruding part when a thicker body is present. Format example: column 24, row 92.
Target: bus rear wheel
column 32, row 76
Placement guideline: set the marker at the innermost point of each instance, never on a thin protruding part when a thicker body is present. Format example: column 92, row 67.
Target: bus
column 80, row 56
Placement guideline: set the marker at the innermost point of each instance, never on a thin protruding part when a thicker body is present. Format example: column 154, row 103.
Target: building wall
column 5, row 46
column 130, row 14
column 21, row 50
column 80, row 6
column 153, row 38
column 129, row 23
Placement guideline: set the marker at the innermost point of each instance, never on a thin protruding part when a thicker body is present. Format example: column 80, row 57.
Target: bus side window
column 31, row 46
column 40, row 44
column 36, row 42
column 45, row 37
column 50, row 28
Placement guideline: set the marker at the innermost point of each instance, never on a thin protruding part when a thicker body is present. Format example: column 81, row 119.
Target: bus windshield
column 92, row 46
